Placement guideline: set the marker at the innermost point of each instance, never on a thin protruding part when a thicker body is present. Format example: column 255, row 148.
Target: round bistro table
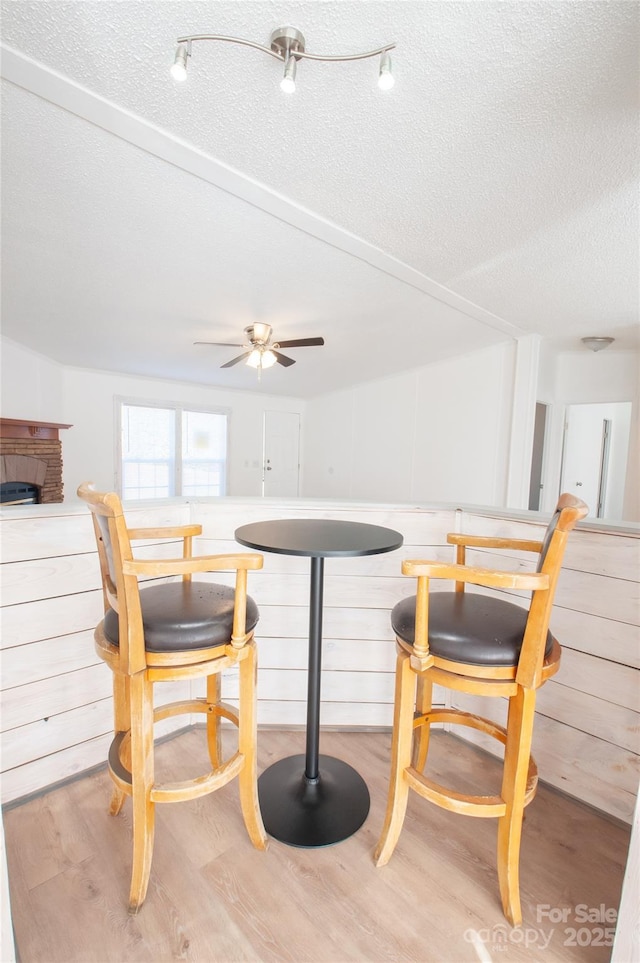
column 314, row 800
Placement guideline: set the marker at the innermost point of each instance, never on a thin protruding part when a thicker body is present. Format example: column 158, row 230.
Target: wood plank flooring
column 214, row 899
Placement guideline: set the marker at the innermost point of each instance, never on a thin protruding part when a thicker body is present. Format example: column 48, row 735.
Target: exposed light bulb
column 288, row 82
column 385, row 77
column 268, row 359
column 179, row 66
column 255, row 358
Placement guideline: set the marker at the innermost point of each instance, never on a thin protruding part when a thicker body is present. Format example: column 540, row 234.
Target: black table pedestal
column 314, row 800
column 312, row 812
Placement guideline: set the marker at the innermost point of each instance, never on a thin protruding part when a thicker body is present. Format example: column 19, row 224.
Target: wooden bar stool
column 484, row 645
column 165, row 632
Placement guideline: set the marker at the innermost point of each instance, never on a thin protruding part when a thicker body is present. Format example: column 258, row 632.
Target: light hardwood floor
column 214, row 899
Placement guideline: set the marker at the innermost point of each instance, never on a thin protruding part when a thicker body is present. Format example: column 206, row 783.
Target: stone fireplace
column 30, row 461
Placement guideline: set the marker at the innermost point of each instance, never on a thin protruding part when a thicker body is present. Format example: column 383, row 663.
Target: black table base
column 312, row 812
column 314, row 800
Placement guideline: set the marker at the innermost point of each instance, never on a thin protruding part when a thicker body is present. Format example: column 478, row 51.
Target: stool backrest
column 568, row 513
column 120, row 592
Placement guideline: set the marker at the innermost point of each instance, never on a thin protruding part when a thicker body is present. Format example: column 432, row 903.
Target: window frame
column 178, row 407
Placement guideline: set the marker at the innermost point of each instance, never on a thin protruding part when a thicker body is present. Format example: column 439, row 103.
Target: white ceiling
column 492, row 193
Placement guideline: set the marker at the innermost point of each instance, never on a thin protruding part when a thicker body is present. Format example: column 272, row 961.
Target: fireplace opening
column 19, row 493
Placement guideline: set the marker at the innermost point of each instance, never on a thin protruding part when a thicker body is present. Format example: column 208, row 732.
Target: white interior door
column 281, row 454
column 595, row 456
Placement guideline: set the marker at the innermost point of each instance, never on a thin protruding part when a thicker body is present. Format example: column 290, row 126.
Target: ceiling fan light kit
column 286, row 44
column 262, row 358
column 260, row 351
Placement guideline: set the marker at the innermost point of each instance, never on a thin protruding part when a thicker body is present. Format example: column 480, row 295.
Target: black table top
column 327, row 538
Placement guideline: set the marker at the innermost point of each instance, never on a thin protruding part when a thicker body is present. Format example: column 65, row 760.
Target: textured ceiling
column 492, row 193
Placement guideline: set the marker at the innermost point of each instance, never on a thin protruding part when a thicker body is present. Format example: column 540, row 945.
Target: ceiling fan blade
column 302, row 343
column 221, row 344
column 282, row 359
column 241, row 357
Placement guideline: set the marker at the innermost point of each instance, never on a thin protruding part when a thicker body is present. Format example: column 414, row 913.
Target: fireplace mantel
column 14, row 428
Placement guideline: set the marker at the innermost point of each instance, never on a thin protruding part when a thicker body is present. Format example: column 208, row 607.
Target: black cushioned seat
column 468, row 627
column 185, row 615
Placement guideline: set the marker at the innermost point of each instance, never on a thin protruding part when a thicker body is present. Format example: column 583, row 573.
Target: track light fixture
column 286, row 44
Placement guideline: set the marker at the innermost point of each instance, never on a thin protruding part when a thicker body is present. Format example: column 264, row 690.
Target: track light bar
column 286, row 44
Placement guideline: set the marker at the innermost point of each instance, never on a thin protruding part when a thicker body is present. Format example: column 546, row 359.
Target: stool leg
column 142, row 772
column 214, row 722
column 121, row 723
column 514, row 781
column 404, row 702
column 247, row 740
column 424, row 701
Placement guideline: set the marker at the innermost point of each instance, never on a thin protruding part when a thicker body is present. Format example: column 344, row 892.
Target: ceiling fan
column 261, row 351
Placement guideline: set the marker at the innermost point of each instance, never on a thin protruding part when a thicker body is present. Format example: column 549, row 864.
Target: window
column 168, row 450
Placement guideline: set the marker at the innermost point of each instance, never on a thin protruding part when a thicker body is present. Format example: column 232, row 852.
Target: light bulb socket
column 385, row 77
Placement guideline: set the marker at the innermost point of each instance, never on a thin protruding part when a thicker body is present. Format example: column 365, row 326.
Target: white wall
column 626, row 945
column 34, row 387
column 7, row 945
column 552, row 455
column 439, row 433
column 547, row 364
column 89, row 447
column 443, row 432
column 597, row 376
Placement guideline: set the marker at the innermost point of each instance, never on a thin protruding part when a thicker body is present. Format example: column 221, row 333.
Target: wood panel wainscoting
column 56, row 695
column 54, row 687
